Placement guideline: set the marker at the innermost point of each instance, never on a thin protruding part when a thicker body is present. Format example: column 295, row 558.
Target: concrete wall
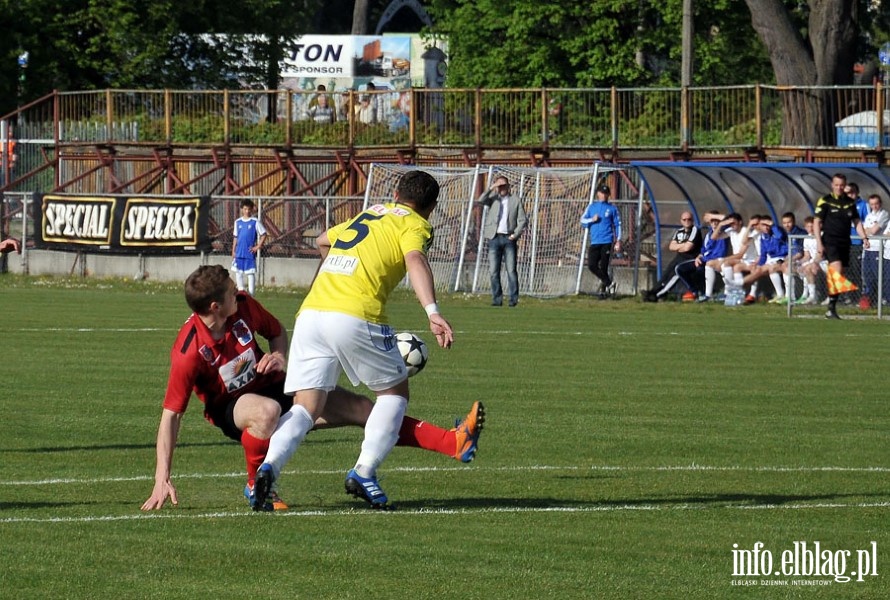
column 285, row 272
column 276, row 271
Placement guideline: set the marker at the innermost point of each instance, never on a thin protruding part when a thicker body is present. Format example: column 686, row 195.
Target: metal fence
column 559, row 268
column 747, row 116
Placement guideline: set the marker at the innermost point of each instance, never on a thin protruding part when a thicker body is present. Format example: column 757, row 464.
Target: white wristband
column 431, row 309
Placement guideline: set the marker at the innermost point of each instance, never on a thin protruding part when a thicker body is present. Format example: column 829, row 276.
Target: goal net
column 456, row 194
column 552, row 251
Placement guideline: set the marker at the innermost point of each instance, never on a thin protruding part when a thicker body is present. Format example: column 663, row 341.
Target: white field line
column 604, row 468
column 475, row 332
column 172, row 514
column 92, row 329
column 593, row 508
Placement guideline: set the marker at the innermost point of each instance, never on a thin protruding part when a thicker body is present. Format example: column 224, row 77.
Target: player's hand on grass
column 159, row 495
column 442, row 330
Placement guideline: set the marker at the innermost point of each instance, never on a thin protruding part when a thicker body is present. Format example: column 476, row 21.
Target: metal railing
column 693, row 118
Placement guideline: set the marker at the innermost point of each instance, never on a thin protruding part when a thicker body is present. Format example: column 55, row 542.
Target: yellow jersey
column 367, row 260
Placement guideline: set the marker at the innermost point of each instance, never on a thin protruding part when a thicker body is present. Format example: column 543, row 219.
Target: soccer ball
column 414, row 352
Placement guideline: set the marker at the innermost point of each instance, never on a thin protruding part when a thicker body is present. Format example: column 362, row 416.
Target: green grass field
column 629, row 449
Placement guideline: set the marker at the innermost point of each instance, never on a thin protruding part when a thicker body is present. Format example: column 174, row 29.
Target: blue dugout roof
column 745, row 188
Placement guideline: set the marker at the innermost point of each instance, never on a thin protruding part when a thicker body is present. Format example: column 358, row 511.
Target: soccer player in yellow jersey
column 342, row 327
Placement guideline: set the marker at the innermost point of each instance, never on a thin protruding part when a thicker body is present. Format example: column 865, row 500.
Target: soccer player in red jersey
column 217, row 355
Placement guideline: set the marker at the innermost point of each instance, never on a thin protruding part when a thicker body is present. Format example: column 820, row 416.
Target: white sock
column 811, row 290
column 728, row 276
column 776, row 278
column 381, row 433
column 239, row 280
column 670, row 284
column 710, row 279
column 753, row 290
column 292, row 428
column 739, row 279
column 789, row 286
column 251, row 283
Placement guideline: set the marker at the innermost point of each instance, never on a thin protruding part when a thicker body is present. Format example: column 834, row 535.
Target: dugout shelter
column 650, row 197
column 745, row 188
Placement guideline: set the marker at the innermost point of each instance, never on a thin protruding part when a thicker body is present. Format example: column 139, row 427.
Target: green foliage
column 258, row 133
column 321, row 134
column 727, row 51
column 582, row 44
column 97, row 44
column 520, row 43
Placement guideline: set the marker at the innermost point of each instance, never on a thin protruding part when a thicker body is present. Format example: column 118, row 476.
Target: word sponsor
column 320, row 55
column 803, row 559
column 317, row 58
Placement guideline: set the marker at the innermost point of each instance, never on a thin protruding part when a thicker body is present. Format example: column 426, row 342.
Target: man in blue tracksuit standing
column 603, row 224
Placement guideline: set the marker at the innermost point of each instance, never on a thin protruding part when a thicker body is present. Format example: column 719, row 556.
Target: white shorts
column 326, row 343
column 774, row 260
column 246, row 266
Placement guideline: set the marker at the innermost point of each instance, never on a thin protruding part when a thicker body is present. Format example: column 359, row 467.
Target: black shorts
column 837, row 253
column 224, row 416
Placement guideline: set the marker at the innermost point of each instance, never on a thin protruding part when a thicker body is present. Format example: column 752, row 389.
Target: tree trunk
column 360, row 17
column 825, row 59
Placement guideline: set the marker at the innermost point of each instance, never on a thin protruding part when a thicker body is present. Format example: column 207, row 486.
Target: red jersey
column 221, row 370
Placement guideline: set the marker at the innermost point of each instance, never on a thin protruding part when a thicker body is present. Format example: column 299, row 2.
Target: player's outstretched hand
column 10, row 245
column 442, row 330
column 159, row 495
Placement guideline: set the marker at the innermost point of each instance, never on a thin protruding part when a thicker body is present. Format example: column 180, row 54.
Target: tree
column 813, row 44
column 574, row 43
column 817, row 43
column 360, row 17
column 96, row 44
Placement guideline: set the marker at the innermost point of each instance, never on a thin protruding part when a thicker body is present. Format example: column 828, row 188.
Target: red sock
column 420, row 434
column 254, row 452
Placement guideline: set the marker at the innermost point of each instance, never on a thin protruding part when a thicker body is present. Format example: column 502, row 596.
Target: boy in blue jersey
column 249, row 236
column 342, row 327
column 773, row 252
column 795, row 245
column 603, row 224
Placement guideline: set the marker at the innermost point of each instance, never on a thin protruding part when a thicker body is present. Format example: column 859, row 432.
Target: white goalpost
column 552, row 250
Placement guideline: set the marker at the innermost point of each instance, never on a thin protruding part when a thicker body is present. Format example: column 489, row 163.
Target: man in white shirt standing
column 504, row 223
column 874, row 223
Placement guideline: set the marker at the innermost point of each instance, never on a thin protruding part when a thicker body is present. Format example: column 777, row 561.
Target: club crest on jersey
column 207, row 354
column 239, row 371
column 242, row 332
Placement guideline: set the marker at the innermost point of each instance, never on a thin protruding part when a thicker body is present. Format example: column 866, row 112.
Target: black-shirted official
column 835, row 215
